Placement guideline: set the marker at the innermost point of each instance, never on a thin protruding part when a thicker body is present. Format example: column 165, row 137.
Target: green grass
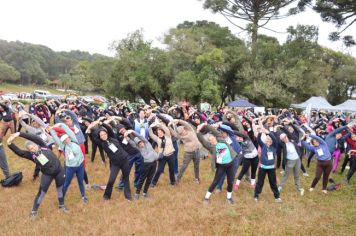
column 15, row 88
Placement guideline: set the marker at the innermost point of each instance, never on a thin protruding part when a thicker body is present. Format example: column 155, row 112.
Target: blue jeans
column 79, row 172
column 236, row 164
column 136, row 159
column 175, row 156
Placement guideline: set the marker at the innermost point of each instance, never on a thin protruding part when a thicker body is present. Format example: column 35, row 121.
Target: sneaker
column 137, row 196
column 230, row 201
column 218, row 190
column 253, row 186
column 88, row 186
column 278, row 200
column 63, row 209
column 85, row 200
column 33, row 215
column 256, row 199
column 306, row 174
column 279, row 189
column 325, row 191
column 347, row 167
column 152, row 185
column 311, row 189
column 236, row 187
column 301, row 192
column 197, row 181
column 106, row 199
column 206, row 201
column 145, row 195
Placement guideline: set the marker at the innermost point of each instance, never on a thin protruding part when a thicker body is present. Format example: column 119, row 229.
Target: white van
column 41, row 94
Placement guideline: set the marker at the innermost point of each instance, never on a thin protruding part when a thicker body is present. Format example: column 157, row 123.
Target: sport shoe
column 230, row 201
column 145, row 195
column 197, row 181
column 306, row 174
column 206, row 201
column 301, row 192
column 253, row 186
column 256, row 199
column 279, row 189
column 311, row 189
column 137, row 196
column 325, row 191
column 85, row 200
column 63, row 209
column 347, row 167
column 278, row 200
column 236, row 187
column 33, row 215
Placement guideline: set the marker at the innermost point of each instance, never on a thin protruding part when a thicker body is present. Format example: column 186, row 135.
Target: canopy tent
column 318, row 103
column 348, row 105
column 240, row 103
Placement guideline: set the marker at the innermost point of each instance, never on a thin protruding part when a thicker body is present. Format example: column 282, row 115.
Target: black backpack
column 13, row 180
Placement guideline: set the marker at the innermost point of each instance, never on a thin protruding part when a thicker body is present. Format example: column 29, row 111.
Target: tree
column 256, row 13
column 8, row 73
column 342, row 13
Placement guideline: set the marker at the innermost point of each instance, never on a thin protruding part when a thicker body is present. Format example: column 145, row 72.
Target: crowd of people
column 147, row 137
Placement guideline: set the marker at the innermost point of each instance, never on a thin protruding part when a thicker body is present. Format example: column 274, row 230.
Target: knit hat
column 64, row 137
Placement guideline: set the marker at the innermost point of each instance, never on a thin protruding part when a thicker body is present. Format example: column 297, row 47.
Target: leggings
column 246, row 163
column 79, row 172
column 352, row 168
column 94, row 147
column 336, row 155
column 322, row 168
column 222, row 169
column 46, row 181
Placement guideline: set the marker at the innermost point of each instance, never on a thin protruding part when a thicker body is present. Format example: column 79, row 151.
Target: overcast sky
column 91, row 25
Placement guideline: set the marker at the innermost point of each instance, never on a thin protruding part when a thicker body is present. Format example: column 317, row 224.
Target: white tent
column 348, row 105
column 318, row 103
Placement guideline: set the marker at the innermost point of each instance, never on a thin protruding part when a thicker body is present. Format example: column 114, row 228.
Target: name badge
column 270, row 156
column 4, row 113
column 44, row 119
column 70, row 155
column 271, row 129
column 124, row 141
column 42, row 159
column 320, row 152
column 228, row 140
column 113, row 148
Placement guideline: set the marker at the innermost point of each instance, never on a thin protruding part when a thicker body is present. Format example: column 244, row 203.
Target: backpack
column 13, row 180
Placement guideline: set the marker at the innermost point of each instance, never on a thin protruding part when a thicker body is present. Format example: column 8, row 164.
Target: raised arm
column 34, row 138
column 38, row 120
column 152, row 135
column 69, row 132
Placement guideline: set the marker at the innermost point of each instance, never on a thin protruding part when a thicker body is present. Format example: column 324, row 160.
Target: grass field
column 176, row 210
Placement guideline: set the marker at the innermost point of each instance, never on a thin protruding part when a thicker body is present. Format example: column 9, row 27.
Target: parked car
column 42, row 94
column 9, row 96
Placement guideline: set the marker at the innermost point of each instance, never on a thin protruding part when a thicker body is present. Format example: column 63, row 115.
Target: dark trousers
column 246, row 163
column 161, row 164
column 352, row 168
column 94, row 147
column 136, row 159
column 175, row 156
column 26, row 120
column 235, row 164
column 272, row 181
column 322, row 168
column 344, row 164
column 114, row 171
column 279, row 156
column 310, row 157
column 46, row 181
column 222, row 169
column 148, row 171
